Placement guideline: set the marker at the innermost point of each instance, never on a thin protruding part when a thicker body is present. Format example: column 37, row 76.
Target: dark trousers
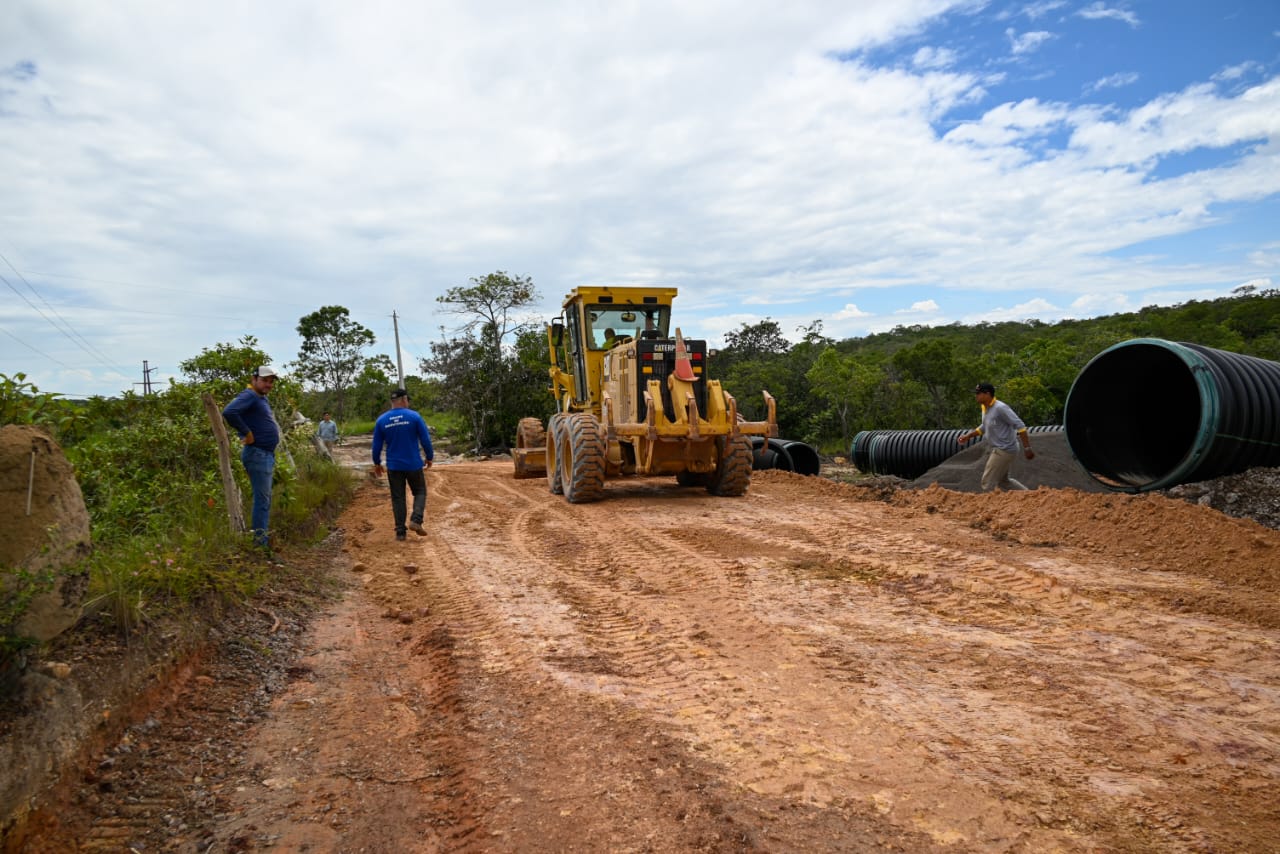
column 417, row 483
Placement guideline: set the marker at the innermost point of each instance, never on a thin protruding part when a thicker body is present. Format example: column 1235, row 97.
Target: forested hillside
column 921, row 377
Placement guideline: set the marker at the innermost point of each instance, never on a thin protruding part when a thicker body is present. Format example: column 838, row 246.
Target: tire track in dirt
column 694, row 686
column 992, row 694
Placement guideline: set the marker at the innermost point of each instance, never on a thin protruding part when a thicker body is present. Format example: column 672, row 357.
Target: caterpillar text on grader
column 634, row 401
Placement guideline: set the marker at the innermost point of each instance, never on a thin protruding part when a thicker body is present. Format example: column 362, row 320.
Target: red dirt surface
column 812, row 667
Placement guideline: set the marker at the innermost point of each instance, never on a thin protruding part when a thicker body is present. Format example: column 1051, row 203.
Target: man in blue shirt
column 402, row 430
column 251, row 416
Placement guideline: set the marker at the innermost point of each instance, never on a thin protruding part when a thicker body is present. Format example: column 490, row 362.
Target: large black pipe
column 860, row 449
column 910, row 453
column 769, row 454
column 804, row 459
column 1149, row 414
column 784, row 455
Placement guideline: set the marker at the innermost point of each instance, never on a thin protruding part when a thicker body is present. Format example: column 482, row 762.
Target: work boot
column 417, row 528
column 400, row 537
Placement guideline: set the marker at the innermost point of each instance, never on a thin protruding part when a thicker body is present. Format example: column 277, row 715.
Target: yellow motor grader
column 634, row 399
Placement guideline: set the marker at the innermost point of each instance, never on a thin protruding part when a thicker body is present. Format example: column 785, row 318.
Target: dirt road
column 804, row 668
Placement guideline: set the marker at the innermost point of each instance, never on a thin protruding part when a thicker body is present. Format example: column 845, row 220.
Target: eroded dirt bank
column 804, row 668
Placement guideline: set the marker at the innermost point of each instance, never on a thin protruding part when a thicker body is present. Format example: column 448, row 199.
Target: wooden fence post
column 235, row 508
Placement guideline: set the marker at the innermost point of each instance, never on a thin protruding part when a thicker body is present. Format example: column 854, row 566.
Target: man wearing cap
column 1004, row 430
column 250, row 415
column 402, row 431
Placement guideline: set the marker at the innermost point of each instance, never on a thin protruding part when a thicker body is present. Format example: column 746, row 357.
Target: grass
column 197, row 561
column 441, row 424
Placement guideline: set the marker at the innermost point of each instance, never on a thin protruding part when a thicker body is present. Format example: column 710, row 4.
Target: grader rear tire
column 529, row 434
column 555, row 427
column 733, row 475
column 582, row 459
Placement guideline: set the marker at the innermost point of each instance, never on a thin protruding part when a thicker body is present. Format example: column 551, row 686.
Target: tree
column 933, row 364
column 484, row 377
column 225, row 364
column 331, row 352
column 489, row 304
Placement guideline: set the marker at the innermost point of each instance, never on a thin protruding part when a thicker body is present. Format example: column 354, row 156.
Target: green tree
column 223, row 369
column 482, row 374
column 932, row 364
column 331, row 355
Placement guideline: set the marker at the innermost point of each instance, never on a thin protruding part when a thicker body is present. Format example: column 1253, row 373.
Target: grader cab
column 633, row 398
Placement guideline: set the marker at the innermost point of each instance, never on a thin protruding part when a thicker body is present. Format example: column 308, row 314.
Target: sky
column 177, row 175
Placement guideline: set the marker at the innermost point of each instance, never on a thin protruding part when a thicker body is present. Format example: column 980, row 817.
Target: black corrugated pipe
column 770, row 454
column 804, row 459
column 1149, row 414
column 910, row 453
column 784, row 455
column 861, row 447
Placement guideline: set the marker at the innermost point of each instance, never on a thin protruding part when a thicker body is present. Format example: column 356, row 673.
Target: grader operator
column 633, row 399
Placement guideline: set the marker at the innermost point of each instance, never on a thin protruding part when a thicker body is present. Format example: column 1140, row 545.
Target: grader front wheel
column 733, row 474
column 582, row 458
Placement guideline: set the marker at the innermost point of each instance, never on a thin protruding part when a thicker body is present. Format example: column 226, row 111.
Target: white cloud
column 1101, row 11
column 1235, row 72
column 1090, row 305
column 1022, row 43
column 1113, row 81
column 179, row 178
column 930, row 58
column 1035, row 308
column 1039, row 10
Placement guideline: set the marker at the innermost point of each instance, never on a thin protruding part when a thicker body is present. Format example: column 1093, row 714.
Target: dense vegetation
column 148, row 469
column 147, row 465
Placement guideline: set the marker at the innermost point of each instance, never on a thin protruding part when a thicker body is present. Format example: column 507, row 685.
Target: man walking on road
column 402, row 431
column 1004, row 430
column 250, row 415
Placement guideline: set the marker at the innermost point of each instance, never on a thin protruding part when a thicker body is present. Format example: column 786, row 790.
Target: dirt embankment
column 809, row 667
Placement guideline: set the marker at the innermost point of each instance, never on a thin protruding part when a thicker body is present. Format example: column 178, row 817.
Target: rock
column 46, row 533
column 411, row 568
column 57, row 669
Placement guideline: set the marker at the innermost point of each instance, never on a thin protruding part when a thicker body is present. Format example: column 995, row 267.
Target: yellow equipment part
column 634, row 399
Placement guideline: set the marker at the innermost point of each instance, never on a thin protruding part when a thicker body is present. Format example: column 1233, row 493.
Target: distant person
column 250, row 415
column 328, row 432
column 610, row 339
column 1004, row 430
column 402, row 431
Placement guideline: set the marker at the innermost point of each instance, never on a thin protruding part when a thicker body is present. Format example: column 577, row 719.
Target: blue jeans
column 259, row 465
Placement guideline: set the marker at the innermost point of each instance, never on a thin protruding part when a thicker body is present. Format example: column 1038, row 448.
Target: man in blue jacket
column 402, row 430
column 251, row 416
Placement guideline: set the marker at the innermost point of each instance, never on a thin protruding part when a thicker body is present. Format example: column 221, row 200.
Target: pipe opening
column 1147, row 414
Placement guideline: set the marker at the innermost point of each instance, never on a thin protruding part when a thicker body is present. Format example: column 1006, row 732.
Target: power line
column 75, row 337
column 34, row 349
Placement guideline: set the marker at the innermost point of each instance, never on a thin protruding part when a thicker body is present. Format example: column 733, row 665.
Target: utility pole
column 395, row 324
column 146, row 378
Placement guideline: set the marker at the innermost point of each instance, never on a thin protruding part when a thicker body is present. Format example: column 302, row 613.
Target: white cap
column 265, row 371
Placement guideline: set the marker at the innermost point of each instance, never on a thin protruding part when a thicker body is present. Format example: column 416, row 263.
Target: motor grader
column 634, row 399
